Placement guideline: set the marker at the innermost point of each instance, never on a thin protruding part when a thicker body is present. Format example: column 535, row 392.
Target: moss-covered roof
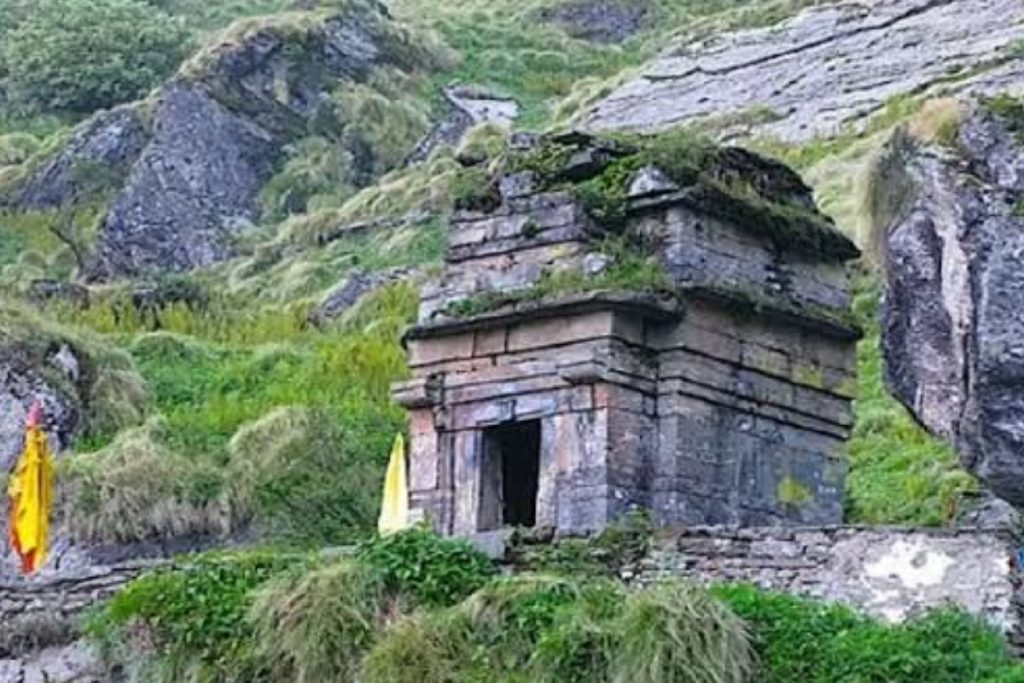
column 757, row 194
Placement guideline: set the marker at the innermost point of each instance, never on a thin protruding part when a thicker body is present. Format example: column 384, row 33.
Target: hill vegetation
column 215, row 407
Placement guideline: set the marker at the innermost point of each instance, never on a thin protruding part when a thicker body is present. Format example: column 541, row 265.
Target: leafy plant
column 811, row 642
column 432, row 570
column 192, row 615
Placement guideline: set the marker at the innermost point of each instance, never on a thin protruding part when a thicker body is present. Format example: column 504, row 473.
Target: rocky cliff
column 827, row 69
column 954, row 334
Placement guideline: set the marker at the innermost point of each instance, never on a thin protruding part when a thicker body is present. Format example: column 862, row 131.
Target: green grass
column 504, row 46
column 811, row 642
column 290, row 438
column 899, row 474
column 263, row 617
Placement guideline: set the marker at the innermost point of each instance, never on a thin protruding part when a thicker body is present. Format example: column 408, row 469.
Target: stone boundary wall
column 67, row 594
column 890, row 573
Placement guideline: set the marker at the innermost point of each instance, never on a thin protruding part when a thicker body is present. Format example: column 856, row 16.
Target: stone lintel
column 421, row 392
column 711, row 201
column 645, row 306
column 820, row 321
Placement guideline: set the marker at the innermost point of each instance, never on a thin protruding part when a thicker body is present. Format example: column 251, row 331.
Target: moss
column 474, row 189
column 791, row 493
column 809, row 376
column 757, row 194
column 629, row 271
column 547, row 160
column 744, row 302
column 1011, row 110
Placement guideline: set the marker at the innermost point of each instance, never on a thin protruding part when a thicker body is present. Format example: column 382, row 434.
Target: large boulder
column 953, row 321
column 186, row 166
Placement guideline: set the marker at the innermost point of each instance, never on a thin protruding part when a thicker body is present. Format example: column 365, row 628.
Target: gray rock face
column 953, row 328
column 194, row 187
column 21, row 383
column 213, row 137
column 75, row 663
column 108, row 143
column 600, row 21
column 348, row 293
column 827, row 68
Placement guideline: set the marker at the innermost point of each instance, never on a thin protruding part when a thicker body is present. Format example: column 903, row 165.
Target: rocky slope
column 954, row 334
column 186, row 166
column 826, row 69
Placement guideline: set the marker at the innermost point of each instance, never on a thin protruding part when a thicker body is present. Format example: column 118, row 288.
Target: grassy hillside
column 230, row 367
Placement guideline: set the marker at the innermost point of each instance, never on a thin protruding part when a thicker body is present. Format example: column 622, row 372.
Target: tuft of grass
column 27, row 633
column 316, row 626
column 137, row 488
column 548, row 629
column 677, row 632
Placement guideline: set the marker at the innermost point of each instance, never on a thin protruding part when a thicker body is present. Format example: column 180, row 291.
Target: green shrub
column 295, row 474
column 432, row 570
column 810, row 642
column 191, row 619
column 82, row 55
column 545, row 629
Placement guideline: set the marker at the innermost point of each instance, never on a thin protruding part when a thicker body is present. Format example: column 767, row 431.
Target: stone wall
column 66, row 594
column 889, row 573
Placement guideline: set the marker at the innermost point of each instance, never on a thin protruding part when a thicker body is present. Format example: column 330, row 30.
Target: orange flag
column 31, row 495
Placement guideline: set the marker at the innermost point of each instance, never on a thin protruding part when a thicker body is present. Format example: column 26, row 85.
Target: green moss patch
column 629, row 270
column 754, row 193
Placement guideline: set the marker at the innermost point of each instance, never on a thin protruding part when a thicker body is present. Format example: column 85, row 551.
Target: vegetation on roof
column 756, row 194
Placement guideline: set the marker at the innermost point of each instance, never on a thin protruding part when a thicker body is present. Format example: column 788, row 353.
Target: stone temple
column 550, row 390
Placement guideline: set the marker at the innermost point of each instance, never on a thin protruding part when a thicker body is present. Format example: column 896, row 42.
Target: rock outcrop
column 74, row 663
column 953, row 327
column 600, row 21
column 194, row 156
column 110, row 141
column 826, row 69
column 52, row 380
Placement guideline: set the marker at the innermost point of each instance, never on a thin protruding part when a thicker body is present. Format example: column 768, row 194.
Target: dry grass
column 137, row 489
column 316, row 627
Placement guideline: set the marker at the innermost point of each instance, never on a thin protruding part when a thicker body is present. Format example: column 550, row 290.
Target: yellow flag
column 31, row 495
column 394, row 508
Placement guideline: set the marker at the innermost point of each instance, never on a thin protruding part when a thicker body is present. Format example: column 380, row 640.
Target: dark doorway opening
column 510, row 475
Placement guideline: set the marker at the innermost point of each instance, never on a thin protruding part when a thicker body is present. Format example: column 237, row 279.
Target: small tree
column 83, row 55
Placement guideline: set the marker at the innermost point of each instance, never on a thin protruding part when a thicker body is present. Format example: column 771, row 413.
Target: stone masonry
column 889, row 573
column 724, row 403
